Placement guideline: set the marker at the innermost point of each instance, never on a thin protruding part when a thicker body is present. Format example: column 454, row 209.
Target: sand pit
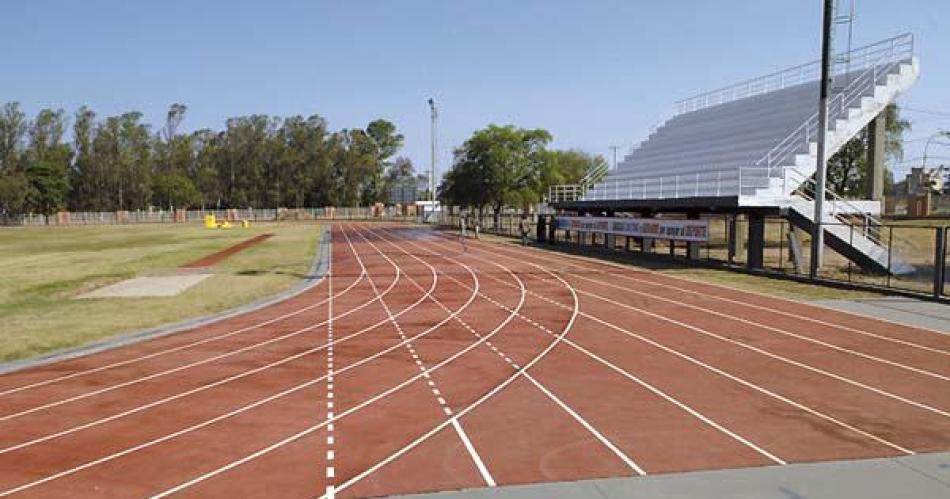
column 148, row 286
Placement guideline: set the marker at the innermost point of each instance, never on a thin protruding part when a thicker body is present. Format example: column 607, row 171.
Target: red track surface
column 415, row 366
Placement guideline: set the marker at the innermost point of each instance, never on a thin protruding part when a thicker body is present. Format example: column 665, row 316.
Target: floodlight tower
column 434, row 116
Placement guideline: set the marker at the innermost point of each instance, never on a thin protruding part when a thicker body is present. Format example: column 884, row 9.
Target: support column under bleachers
column 755, row 256
column 876, row 141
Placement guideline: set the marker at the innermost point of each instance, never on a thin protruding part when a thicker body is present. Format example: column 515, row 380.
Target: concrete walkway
column 925, row 476
column 921, row 313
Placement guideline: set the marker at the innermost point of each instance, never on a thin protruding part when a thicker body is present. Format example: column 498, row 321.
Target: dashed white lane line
column 711, row 368
column 330, row 490
column 443, row 404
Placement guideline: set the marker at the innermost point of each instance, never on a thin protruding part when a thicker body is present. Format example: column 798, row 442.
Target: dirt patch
column 216, row 257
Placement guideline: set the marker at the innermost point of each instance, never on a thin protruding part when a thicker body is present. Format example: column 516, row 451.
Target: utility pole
column 614, row 149
column 434, row 115
column 817, row 236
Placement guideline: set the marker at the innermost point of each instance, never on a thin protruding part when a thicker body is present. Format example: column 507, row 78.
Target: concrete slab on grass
column 149, row 286
column 924, row 476
column 921, row 313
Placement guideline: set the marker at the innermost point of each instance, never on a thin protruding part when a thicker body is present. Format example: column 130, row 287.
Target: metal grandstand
column 752, row 148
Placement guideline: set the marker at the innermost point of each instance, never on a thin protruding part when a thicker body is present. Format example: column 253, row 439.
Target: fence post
column 939, row 261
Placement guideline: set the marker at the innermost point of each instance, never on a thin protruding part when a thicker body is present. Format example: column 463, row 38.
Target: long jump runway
column 415, row 365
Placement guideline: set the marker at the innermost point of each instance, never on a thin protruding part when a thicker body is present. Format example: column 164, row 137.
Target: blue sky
column 594, row 73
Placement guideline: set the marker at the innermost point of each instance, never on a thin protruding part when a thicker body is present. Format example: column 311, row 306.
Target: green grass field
column 43, row 269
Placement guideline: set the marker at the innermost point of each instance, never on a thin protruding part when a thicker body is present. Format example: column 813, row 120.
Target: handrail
column 837, row 106
column 794, row 75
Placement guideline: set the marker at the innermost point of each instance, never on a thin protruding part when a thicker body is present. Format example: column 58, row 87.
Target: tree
column 497, row 166
column 848, row 169
column 13, row 127
column 84, row 176
column 388, row 142
column 13, row 189
column 47, row 187
column 175, row 191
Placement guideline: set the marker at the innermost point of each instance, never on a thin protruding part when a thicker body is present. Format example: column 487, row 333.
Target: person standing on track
column 524, row 227
column 478, row 225
column 462, row 234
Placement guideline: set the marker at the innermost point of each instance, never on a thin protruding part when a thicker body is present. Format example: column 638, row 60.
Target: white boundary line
column 724, row 374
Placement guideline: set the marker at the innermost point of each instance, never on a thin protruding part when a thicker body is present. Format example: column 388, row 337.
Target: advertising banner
column 679, row 230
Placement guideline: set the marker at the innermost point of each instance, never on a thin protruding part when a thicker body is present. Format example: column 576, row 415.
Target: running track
column 414, row 366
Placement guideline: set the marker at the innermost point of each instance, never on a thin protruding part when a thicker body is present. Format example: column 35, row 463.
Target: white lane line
column 617, row 270
column 180, row 347
column 473, row 454
column 727, row 375
column 467, row 442
column 644, row 384
column 577, row 417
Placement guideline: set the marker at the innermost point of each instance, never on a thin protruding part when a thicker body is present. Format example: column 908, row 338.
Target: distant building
column 921, row 181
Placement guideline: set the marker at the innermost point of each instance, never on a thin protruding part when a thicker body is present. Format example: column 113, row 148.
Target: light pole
column 433, row 115
column 817, row 236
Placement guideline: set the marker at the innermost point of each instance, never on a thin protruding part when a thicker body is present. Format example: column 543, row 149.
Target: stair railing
column 806, row 190
column 877, row 62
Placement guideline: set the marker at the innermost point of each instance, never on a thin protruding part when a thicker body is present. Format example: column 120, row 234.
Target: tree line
column 119, row 163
